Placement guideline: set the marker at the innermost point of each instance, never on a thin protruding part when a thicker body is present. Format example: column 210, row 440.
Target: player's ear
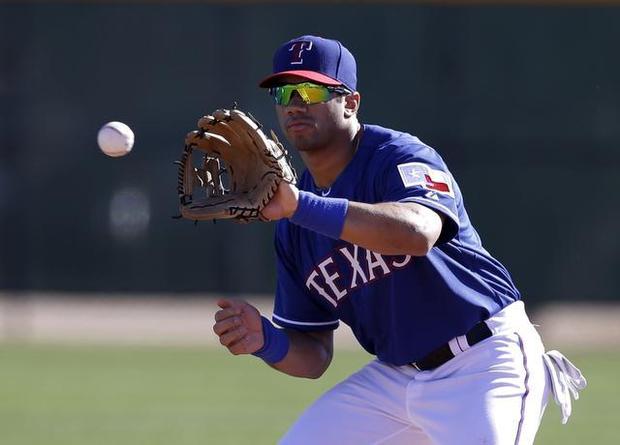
column 351, row 104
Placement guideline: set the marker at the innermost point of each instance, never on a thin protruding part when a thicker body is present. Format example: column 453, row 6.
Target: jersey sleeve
column 294, row 306
column 415, row 173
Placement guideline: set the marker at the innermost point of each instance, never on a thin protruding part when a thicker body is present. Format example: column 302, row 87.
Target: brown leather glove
column 239, row 168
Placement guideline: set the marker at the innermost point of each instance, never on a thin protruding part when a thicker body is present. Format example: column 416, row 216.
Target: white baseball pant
column 494, row 393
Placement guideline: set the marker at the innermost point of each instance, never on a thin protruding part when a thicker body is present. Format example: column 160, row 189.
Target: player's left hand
column 283, row 204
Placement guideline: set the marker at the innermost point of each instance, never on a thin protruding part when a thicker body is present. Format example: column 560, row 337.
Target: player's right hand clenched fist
column 238, row 325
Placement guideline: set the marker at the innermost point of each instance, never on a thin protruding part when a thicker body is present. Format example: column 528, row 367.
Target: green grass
column 108, row 395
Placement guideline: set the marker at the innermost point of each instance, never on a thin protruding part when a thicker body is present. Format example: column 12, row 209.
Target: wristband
column 276, row 343
column 322, row 215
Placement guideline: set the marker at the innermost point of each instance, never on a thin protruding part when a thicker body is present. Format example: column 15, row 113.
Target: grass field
column 55, row 395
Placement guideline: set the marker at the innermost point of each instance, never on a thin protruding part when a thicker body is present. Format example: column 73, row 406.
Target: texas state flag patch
column 418, row 174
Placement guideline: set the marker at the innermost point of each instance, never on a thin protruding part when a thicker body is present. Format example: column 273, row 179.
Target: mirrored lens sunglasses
column 310, row 93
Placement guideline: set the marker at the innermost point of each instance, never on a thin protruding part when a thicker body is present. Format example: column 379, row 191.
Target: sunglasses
column 310, row 93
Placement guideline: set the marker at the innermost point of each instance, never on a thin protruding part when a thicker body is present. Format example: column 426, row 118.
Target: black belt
column 443, row 353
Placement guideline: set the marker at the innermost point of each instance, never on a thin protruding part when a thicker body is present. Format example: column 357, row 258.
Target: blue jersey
column 399, row 308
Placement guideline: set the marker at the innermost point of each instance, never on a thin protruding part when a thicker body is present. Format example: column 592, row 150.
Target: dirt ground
column 187, row 321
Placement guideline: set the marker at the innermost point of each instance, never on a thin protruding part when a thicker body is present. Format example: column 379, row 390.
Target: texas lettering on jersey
column 361, row 267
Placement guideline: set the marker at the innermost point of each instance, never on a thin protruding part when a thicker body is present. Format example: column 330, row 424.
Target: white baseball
column 115, row 139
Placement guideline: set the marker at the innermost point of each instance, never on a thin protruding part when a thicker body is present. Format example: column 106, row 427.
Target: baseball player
column 376, row 235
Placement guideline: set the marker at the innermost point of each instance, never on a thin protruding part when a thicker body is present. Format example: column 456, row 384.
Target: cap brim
column 272, row 80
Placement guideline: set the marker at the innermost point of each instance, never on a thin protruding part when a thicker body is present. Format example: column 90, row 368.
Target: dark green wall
column 522, row 102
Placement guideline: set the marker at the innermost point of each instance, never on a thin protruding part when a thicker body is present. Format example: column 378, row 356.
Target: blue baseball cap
column 324, row 61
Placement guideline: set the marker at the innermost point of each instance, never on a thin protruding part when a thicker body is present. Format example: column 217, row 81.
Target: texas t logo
column 297, row 50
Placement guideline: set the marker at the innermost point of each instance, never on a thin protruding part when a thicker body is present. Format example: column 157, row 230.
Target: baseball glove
column 238, row 168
